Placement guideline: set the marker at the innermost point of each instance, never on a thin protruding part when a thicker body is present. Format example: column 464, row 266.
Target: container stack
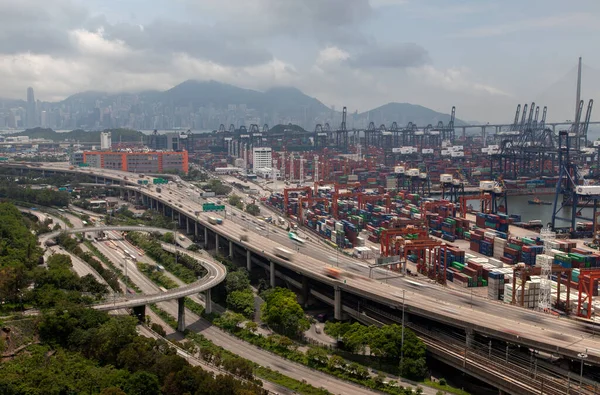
column 496, row 285
column 529, row 254
column 531, row 294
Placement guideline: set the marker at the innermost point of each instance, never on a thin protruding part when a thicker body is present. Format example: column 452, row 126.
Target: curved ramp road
column 216, row 271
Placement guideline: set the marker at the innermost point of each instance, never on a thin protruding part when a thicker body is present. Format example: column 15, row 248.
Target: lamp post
column 582, row 356
column 402, row 338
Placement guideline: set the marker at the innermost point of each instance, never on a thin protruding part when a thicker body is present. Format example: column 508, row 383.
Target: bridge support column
column 305, row 291
column 469, row 337
column 217, row 242
column 164, row 209
column 196, row 230
column 230, row 249
column 187, row 224
column 179, row 223
column 272, row 274
column 140, row 312
column 337, row 303
column 205, row 238
column 207, row 302
column 248, row 261
column 181, row 314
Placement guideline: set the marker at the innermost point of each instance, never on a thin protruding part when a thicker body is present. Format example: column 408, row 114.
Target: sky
column 482, row 56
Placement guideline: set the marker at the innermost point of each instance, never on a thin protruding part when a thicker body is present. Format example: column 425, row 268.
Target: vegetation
column 295, row 385
column 215, row 185
column 236, row 201
column 282, row 312
column 384, row 342
column 19, row 255
column 182, row 266
column 89, row 352
column 156, row 276
column 252, row 209
column 82, row 136
column 43, row 197
column 240, row 297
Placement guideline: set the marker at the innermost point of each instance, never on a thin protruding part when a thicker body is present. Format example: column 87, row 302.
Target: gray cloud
column 398, row 56
column 37, row 27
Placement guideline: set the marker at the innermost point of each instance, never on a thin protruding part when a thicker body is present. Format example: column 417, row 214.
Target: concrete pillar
column 172, row 213
column 248, row 261
column 179, row 220
column 207, row 302
column 187, row 224
column 230, row 249
column 140, row 312
column 272, row 274
column 196, row 229
column 305, row 290
column 164, row 208
column 337, row 303
column 470, row 336
column 205, row 238
column 217, row 242
column 181, row 314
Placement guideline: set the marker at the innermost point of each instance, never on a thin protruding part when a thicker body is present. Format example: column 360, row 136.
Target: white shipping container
column 427, row 150
column 457, row 154
column 445, row 152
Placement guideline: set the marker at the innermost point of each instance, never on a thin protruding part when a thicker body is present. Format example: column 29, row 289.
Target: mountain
column 403, row 113
column 204, row 105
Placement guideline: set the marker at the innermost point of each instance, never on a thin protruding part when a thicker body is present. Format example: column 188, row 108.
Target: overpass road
column 216, row 271
column 510, row 323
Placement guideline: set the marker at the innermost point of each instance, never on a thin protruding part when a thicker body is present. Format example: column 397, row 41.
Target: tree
column 316, row 356
column 236, row 201
column 282, row 312
column 251, row 326
column 336, row 363
column 143, row 383
column 231, row 321
column 112, row 391
column 237, row 281
column 252, row 209
column 242, row 302
column 169, row 237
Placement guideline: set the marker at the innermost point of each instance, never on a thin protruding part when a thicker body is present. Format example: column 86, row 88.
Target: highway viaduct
column 548, row 335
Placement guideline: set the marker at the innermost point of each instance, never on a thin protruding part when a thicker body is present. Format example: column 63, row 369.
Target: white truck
column 283, row 253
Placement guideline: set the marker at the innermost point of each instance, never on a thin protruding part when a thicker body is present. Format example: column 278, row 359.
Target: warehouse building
column 138, row 162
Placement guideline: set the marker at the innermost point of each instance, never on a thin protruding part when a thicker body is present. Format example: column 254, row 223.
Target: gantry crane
column 286, row 196
column 524, row 272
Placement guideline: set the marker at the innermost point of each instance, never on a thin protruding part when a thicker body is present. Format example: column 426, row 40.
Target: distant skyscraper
column 31, row 118
column 105, row 141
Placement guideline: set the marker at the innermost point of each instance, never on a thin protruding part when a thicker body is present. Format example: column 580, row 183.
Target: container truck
column 215, row 220
column 283, row 253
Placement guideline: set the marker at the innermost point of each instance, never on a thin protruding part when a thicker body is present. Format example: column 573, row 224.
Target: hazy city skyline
column 471, row 54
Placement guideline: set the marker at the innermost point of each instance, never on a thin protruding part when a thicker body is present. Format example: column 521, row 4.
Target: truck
column 333, row 272
column 283, row 253
column 215, row 220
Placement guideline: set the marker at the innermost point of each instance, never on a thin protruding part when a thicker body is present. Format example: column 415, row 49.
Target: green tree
column 231, row 321
column 317, row 357
column 236, row 201
column 143, row 383
column 112, row 391
column 169, row 237
column 282, row 312
column 237, row 281
column 252, row 209
column 242, row 302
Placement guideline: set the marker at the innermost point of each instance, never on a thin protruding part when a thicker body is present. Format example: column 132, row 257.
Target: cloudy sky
column 483, row 56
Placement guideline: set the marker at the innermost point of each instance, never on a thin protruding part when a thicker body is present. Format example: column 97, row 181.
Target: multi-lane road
column 496, row 319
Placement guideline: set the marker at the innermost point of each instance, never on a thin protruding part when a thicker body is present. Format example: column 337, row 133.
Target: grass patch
column 446, row 388
column 196, row 308
column 288, row 382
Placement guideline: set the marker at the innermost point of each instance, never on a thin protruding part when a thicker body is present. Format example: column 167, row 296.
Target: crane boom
column 516, row 122
column 530, row 119
column 524, row 115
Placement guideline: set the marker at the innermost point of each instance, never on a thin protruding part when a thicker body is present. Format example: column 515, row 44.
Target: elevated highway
column 515, row 325
column 216, row 274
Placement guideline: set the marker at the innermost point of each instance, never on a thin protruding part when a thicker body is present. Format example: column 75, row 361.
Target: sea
column 519, row 205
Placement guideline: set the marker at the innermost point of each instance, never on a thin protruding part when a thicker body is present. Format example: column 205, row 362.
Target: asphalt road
column 483, row 314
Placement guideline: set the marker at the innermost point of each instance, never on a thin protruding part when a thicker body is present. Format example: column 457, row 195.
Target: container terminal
column 428, row 200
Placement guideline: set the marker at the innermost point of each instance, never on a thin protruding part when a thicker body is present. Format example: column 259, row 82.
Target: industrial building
column 138, row 162
column 262, row 158
column 105, row 141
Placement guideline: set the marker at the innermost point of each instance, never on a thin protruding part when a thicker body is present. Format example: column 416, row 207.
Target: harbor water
column 519, row 205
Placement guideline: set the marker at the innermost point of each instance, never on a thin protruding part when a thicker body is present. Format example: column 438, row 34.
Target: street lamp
column 402, row 339
column 582, row 356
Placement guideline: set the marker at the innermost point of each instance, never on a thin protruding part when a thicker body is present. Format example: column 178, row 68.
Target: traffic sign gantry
column 212, row 207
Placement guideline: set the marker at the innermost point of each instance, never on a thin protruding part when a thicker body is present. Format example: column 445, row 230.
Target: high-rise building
column 44, row 119
column 262, row 158
column 31, row 117
column 105, row 141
